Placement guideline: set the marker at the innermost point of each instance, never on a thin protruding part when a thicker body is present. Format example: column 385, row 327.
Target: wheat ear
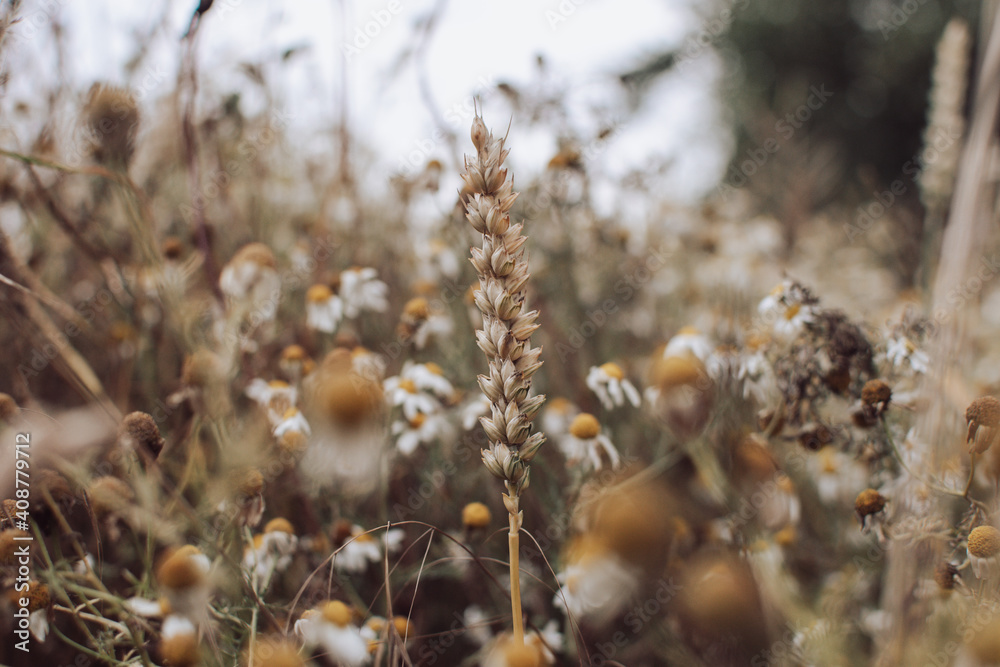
column 506, row 335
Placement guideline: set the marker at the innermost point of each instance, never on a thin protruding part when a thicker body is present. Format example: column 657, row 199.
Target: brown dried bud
column 944, row 575
column 983, row 415
column 110, row 495
column 869, row 502
column 8, row 407
column 876, row 392
column 480, row 134
column 138, row 431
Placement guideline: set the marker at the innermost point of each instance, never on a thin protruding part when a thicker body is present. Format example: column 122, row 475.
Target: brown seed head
column 139, row 431
column 10, row 540
column 476, row 515
column 112, row 117
column 676, row 372
column 110, row 495
column 279, row 525
column 417, row 308
column 875, row 392
column 869, row 502
column 202, row 368
column 254, row 253
column 984, row 542
column 249, row 482
column 984, row 411
column 944, row 575
column 337, row 613
column 273, row 652
column 613, row 370
column 585, row 426
column 172, row 247
column 179, row 570
column 8, row 407
column 180, row 650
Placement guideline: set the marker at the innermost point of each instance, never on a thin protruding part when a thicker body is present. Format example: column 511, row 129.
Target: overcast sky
column 477, row 44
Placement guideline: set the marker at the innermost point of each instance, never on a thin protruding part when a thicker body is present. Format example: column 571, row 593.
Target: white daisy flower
column 324, row 309
column 330, row 629
column 422, row 428
column 428, row 377
column 984, row 551
column 596, row 583
column 363, row 547
column 403, row 392
column 688, row 342
column 292, row 420
column 586, row 442
column 903, row 354
column 276, row 397
column 271, row 552
column 473, row 410
column 757, row 376
column 361, row 290
column 251, row 277
column 786, row 310
column 608, row 381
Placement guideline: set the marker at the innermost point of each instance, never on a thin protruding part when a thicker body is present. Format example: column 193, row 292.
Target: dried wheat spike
column 506, row 334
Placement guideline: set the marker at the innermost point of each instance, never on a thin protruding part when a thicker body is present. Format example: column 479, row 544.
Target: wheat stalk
column 506, row 335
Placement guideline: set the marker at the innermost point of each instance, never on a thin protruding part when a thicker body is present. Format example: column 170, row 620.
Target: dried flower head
column 10, row 540
column 944, row 576
column 110, row 496
column 476, row 515
column 179, row 642
column 139, row 432
column 868, row 503
column 8, row 407
column 983, row 415
column 984, row 550
column 112, row 118
column 273, row 652
column 876, row 393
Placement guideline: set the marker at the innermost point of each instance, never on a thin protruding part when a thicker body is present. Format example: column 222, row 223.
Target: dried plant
column 506, row 334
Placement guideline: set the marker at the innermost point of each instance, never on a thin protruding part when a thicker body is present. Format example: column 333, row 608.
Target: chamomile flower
column 608, row 381
column 428, row 377
column 689, row 342
column 330, row 629
column 403, row 392
column 184, row 581
column 420, row 322
column 361, row 290
column 276, row 397
column 295, row 363
column 984, row 551
column 478, row 407
column 596, row 582
column 359, row 548
column 251, row 277
column 39, row 602
column 421, row 429
column 904, row 355
column 179, row 642
column 757, row 377
column 788, row 309
column 586, row 442
column 324, row 309
column 271, row 552
column 292, row 420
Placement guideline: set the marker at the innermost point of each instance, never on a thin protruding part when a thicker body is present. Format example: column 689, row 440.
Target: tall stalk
column 505, row 337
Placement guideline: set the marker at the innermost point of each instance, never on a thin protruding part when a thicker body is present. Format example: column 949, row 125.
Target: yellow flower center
column 585, row 426
column 613, row 371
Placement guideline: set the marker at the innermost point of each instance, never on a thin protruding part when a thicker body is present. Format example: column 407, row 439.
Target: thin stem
column 513, row 544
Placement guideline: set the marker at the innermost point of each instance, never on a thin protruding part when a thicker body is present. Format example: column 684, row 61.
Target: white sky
column 476, row 42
